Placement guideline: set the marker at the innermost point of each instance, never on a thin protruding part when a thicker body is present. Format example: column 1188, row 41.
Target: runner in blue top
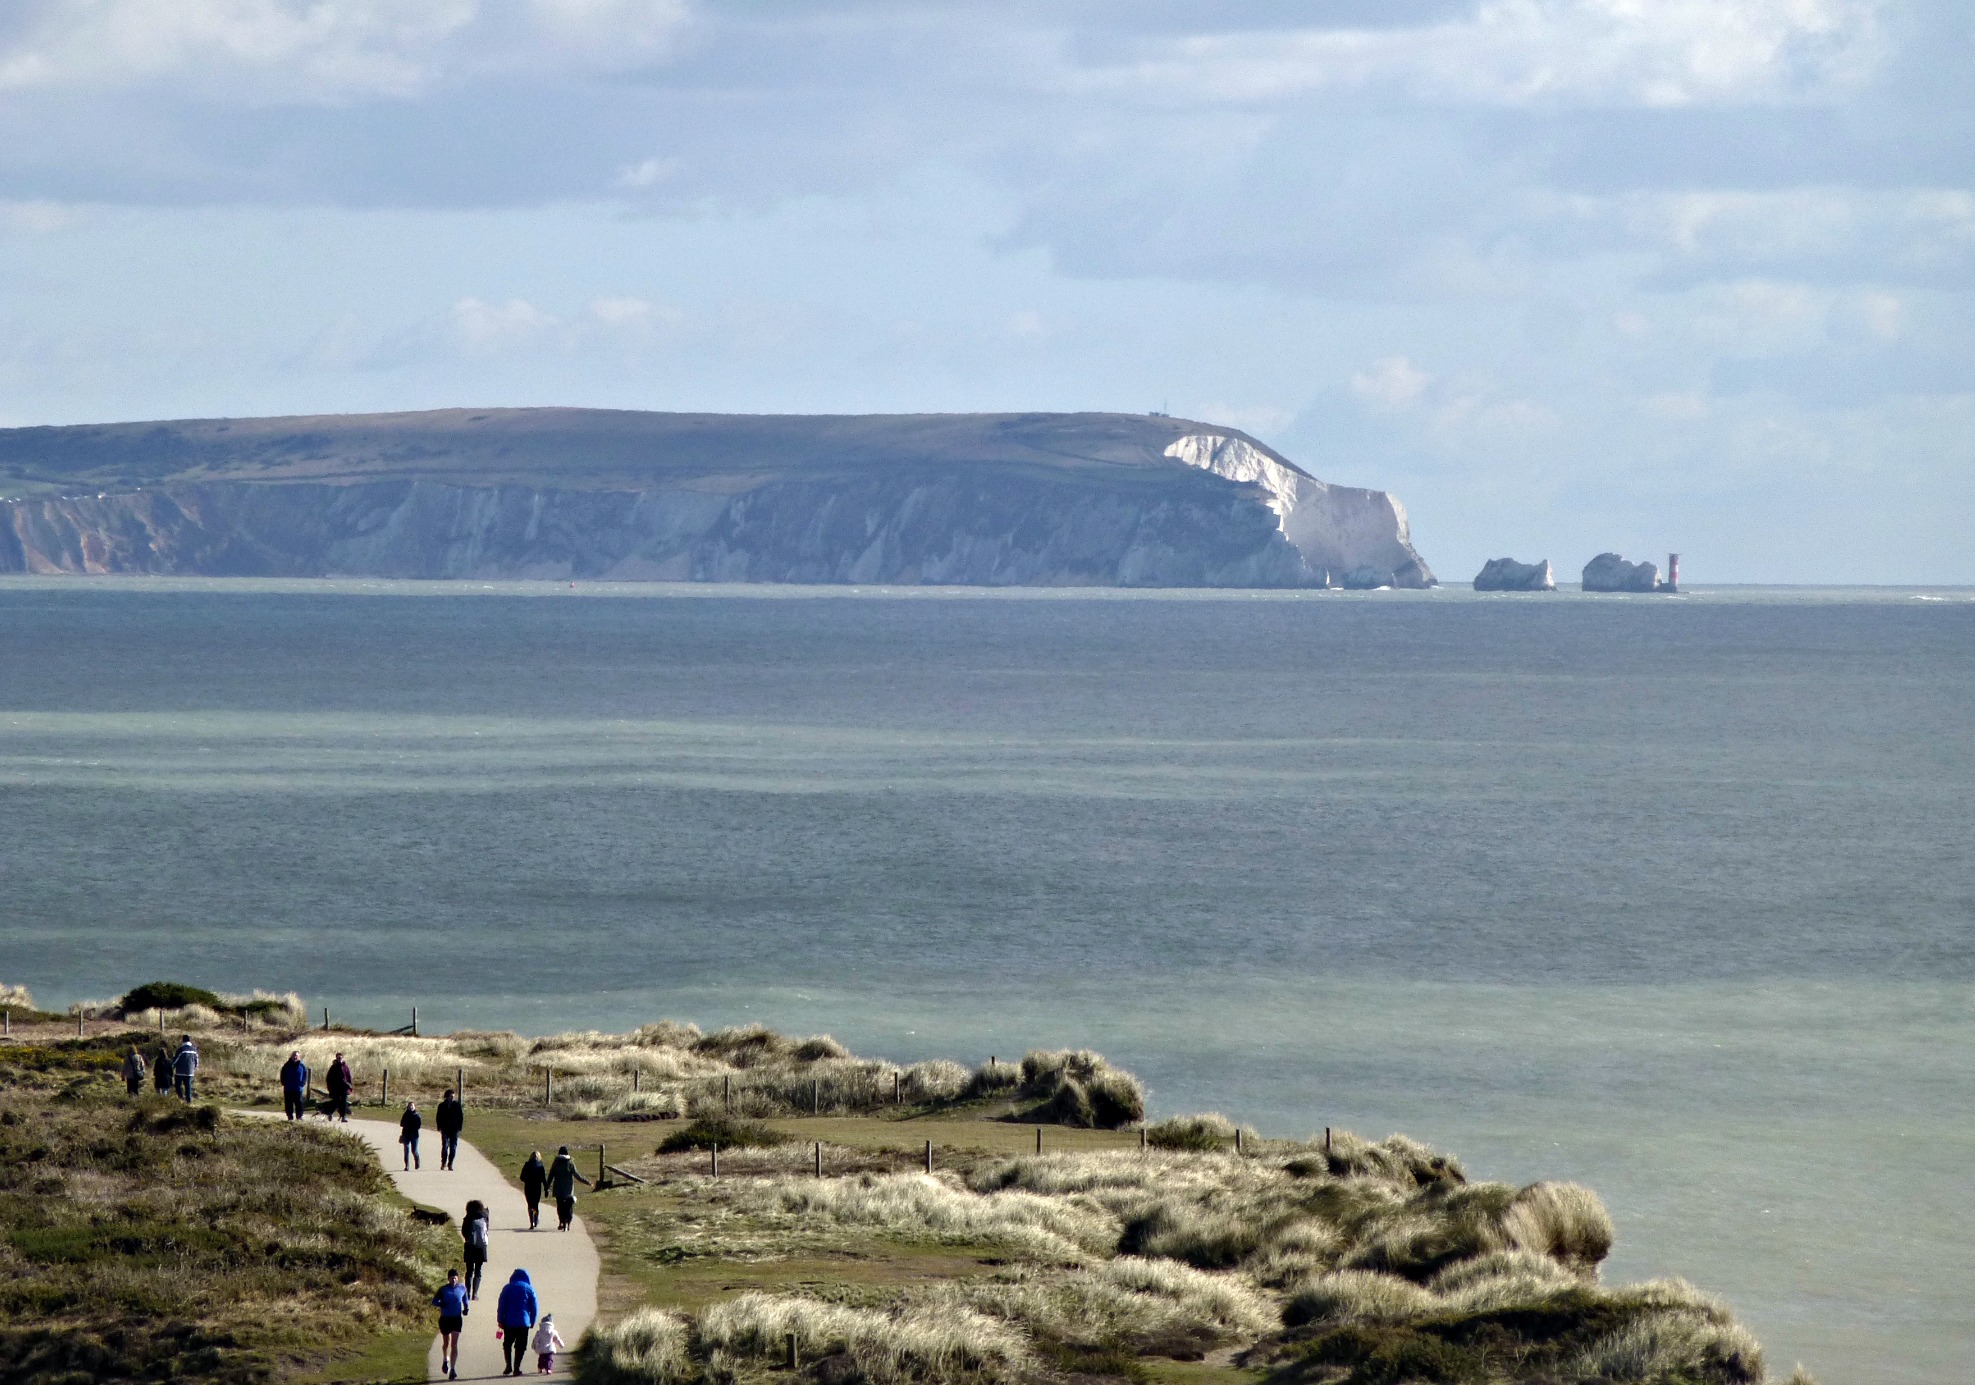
column 451, row 1301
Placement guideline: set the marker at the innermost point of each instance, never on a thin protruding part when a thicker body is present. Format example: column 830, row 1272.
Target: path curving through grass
column 562, row 1264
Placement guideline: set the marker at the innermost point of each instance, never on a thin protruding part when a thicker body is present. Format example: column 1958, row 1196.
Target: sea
column 1673, row 896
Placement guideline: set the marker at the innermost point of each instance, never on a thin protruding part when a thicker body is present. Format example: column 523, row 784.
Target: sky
column 1562, row 275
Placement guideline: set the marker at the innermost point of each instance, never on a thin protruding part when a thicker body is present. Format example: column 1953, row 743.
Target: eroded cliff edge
column 981, row 499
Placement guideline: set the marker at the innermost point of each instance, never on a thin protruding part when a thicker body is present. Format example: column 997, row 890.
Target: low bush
column 1205, row 1132
column 650, row 1347
column 167, row 995
column 722, row 1132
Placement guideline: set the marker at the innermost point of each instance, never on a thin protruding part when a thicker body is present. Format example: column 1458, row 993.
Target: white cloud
column 1657, row 53
column 483, row 328
column 286, row 51
column 1393, row 383
column 40, row 217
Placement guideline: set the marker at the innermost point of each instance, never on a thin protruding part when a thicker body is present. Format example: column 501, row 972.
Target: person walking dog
column 516, row 1312
column 534, row 1174
column 453, row 1304
column 185, row 1068
column 339, row 1081
column 475, row 1229
column 133, row 1072
column 294, row 1086
column 563, row 1179
column 409, row 1125
column 449, row 1120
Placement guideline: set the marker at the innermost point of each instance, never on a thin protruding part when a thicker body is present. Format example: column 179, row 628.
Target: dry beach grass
column 1333, row 1261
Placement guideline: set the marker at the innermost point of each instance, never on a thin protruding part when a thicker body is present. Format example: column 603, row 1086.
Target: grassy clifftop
column 151, row 1240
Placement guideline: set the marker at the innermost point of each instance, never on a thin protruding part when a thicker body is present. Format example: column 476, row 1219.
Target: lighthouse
column 1672, row 582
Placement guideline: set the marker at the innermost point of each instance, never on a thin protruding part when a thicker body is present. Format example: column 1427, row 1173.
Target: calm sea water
column 1672, row 896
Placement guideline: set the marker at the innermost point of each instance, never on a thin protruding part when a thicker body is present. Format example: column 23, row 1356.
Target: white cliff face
column 990, row 499
column 1346, row 536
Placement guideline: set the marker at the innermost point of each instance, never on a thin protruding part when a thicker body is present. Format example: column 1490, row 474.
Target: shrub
column 1673, row 1345
column 1210, row 1131
column 1563, row 1221
column 15, row 997
column 1360, row 1296
column 887, row 1348
column 727, row 1132
column 650, row 1347
column 1078, row 1087
column 167, row 995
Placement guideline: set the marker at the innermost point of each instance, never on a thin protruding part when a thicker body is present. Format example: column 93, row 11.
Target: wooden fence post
column 929, row 1156
column 815, row 1097
column 1038, row 1139
column 600, row 1150
column 635, row 1072
column 325, row 1018
column 795, row 1358
column 548, row 1087
column 819, row 1158
column 1326, row 1141
column 1141, row 1138
column 385, row 1100
column 716, row 1160
column 459, row 1085
column 6, row 1024
column 414, row 1021
column 897, row 1080
column 1237, row 1139
column 78, row 1024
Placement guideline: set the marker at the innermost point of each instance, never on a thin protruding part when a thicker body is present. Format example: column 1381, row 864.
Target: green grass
column 148, row 1240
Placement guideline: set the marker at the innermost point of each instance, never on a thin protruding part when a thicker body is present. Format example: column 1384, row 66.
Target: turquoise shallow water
column 1671, row 896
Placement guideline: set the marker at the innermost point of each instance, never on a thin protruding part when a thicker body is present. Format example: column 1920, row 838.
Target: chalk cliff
column 1508, row 575
column 987, row 499
column 1608, row 572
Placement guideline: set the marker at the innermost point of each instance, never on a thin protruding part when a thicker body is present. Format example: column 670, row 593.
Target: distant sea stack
column 1610, row 573
column 1508, row 575
column 976, row 499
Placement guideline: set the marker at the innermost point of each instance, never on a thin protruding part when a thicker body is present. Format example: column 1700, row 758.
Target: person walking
column 563, row 1179
column 547, row 1343
column 409, row 1125
column 294, row 1086
column 339, row 1080
column 475, row 1228
column 449, row 1120
column 133, row 1071
column 161, row 1073
column 453, row 1304
column 534, row 1174
column 185, row 1068
column 516, row 1315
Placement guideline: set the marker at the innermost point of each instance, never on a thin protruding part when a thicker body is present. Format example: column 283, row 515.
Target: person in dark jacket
column 453, row 1304
column 409, row 1124
column 185, row 1068
column 294, row 1085
column 533, row 1175
column 516, row 1314
column 133, row 1072
column 449, row 1120
column 475, row 1229
column 563, row 1179
column 338, row 1080
column 161, row 1073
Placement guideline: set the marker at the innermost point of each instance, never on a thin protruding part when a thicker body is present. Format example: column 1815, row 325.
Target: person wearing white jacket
column 546, row 1344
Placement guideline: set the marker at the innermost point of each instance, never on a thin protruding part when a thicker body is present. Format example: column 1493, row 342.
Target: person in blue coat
column 516, row 1314
column 453, row 1305
column 294, row 1085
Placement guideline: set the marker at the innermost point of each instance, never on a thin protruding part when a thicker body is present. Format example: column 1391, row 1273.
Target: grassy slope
column 148, row 1240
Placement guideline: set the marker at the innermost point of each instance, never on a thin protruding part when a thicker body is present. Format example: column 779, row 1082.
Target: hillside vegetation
column 150, row 1240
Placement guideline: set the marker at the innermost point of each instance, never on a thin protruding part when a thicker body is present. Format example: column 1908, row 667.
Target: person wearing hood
column 516, row 1313
column 185, row 1067
column 294, row 1085
column 161, row 1074
column 533, row 1175
column 547, row 1343
column 563, row 1179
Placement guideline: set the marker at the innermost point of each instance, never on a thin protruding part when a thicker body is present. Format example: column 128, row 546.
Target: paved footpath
column 562, row 1264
